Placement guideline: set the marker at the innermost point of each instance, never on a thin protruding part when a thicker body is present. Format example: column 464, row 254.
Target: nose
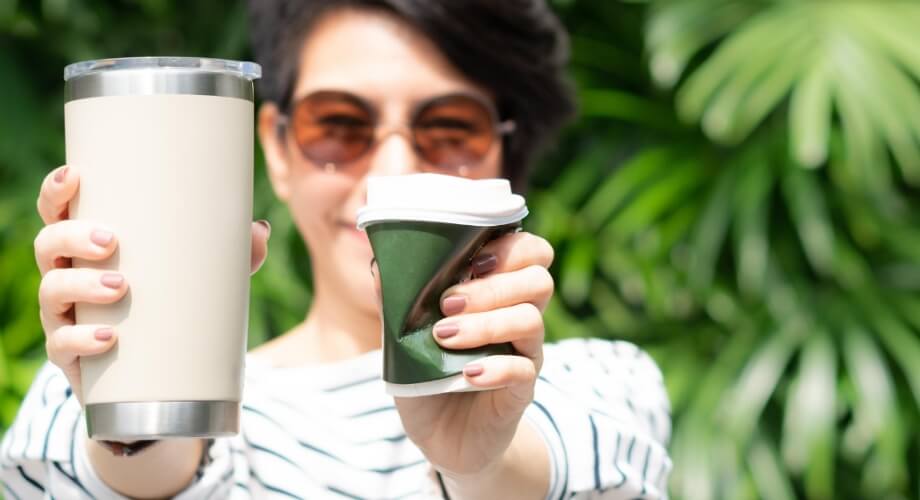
column 394, row 155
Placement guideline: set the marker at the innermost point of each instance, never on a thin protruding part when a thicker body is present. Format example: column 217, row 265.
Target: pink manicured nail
column 104, row 334
column 100, row 237
column 60, row 174
column 267, row 225
column 473, row 370
column 112, row 280
column 484, row 264
column 453, row 304
column 446, row 330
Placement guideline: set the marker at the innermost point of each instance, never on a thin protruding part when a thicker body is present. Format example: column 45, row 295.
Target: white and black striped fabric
column 330, row 431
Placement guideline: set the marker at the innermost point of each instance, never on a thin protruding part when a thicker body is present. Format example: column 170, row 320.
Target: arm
column 521, row 473
column 597, row 428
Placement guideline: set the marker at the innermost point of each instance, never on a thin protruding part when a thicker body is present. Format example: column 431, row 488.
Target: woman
column 316, row 421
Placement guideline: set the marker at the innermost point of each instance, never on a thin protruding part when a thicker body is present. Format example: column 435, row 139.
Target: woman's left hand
column 467, row 433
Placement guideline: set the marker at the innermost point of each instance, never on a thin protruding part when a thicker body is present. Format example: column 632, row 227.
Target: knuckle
column 541, row 279
column 488, row 327
column 531, row 316
column 547, row 252
column 527, row 369
column 53, row 344
column 40, row 244
column 47, row 286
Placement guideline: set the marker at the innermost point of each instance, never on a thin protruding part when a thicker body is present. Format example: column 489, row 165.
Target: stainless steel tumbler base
column 162, row 419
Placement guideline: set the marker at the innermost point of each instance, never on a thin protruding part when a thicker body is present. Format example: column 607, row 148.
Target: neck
column 334, row 330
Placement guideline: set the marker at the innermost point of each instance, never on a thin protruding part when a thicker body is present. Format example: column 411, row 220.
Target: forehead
column 375, row 54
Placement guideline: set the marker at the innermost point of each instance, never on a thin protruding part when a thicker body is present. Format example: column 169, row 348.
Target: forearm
column 521, row 474
column 160, row 471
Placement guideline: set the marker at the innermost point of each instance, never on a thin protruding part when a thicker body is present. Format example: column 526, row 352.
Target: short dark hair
column 515, row 48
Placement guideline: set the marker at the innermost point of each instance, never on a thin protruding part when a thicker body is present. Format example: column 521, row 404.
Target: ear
column 276, row 157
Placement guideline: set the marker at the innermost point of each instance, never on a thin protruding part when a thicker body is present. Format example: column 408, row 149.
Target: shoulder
column 610, row 377
column 610, row 357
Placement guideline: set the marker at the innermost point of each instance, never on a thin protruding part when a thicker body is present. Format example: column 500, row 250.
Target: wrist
column 520, row 472
column 479, row 485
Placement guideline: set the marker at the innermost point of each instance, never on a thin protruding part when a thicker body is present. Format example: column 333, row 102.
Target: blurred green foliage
column 738, row 196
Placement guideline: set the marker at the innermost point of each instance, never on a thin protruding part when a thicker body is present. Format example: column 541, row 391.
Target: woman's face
column 383, row 61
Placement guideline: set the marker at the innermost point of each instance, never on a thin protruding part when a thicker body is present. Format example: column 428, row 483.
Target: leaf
column 650, row 203
column 808, row 426
column 809, row 214
column 619, row 105
column 742, row 405
column 710, row 230
column 560, row 324
column 580, row 177
column 617, row 318
column 631, row 176
column 875, row 406
column 577, row 270
column 768, row 472
column 677, row 30
column 810, row 116
column 752, row 204
column 901, row 342
column 765, row 34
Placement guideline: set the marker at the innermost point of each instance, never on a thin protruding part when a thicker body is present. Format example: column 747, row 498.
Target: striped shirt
column 330, row 431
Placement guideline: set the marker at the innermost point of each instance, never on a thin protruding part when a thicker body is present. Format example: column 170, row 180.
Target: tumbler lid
column 244, row 69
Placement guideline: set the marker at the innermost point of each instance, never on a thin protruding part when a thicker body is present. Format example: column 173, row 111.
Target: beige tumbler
column 164, row 148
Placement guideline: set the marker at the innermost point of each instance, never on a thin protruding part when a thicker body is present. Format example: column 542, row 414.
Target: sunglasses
column 452, row 134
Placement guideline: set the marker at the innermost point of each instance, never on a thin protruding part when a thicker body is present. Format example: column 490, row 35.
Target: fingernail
column 453, row 304
column 104, row 334
column 267, row 225
column 112, row 280
column 60, row 174
column 484, row 264
column 446, row 330
column 100, row 237
column 473, row 370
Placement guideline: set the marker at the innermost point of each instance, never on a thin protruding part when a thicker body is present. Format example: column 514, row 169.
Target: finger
column 68, row 342
column 532, row 284
column 61, row 288
column 261, row 231
column 520, row 324
column 512, row 252
column 72, row 238
column 58, row 188
column 516, row 373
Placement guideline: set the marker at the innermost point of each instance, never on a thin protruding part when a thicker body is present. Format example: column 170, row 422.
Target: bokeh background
column 738, row 196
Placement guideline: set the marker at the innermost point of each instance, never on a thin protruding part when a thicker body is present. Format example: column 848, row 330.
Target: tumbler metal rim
column 132, row 76
column 129, row 421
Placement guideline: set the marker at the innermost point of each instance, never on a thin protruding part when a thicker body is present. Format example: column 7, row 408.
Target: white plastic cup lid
column 441, row 198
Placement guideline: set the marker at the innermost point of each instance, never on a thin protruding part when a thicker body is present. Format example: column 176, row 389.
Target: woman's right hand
column 62, row 286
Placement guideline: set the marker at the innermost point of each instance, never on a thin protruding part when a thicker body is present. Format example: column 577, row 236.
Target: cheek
column 491, row 166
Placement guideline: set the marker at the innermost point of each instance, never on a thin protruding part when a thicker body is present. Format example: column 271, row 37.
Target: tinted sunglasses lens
column 454, row 132
column 331, row 128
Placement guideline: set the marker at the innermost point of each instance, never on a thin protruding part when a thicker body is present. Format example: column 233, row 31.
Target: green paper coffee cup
column 424, row 230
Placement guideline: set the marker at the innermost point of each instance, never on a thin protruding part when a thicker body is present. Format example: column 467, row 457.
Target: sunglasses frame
column 500, row 128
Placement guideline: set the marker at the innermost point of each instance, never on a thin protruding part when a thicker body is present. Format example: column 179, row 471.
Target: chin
column 359, row 286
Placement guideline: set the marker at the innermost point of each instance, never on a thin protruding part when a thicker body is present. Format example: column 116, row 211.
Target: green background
column 738, row 196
